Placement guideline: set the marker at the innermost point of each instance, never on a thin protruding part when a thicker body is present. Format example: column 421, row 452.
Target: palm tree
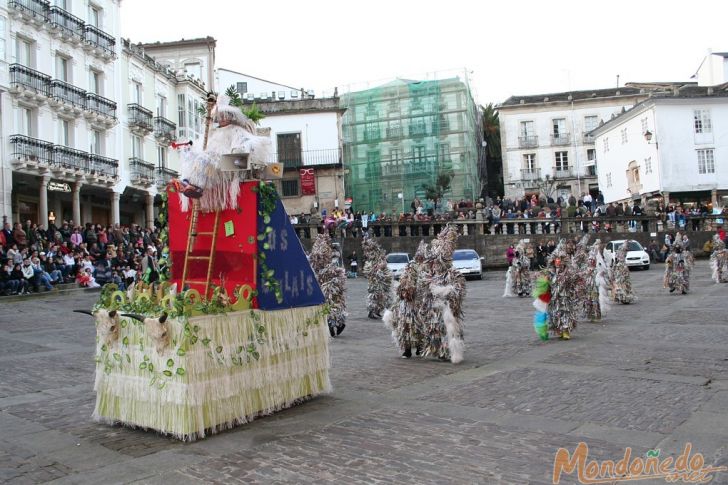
column 493, row 170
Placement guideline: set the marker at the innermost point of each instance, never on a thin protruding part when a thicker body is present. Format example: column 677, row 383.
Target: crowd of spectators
column 513, row 216
column 35, row 258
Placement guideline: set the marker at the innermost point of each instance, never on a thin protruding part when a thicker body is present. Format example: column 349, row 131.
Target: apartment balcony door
column 289, row 150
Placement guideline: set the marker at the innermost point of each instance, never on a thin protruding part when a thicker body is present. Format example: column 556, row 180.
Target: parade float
column 237, row 328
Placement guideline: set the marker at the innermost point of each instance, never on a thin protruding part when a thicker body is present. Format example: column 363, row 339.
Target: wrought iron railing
column 100, row 105
column 66, row 22
column 98, row 38
column 29, row 78
column 66, row 157
column 394, row 132
column 563, row 173
column 530, row 174
column 164, row 128
column 309, row 158
column 38, row 8
column 588, row 139
column 527, row 141
column 62, row 91
column 31, row 149
column 418, row 129
column 139, row 169
column 102, row 165
column 139, row 117
column 165, row 175
column 560, row 139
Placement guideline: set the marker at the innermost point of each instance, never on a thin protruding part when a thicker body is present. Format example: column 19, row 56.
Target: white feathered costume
column 235, row 134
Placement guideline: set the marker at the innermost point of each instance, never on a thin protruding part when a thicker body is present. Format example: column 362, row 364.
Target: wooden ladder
column 191, row 238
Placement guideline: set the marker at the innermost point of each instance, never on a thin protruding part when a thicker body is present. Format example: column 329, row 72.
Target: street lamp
column 648, row 137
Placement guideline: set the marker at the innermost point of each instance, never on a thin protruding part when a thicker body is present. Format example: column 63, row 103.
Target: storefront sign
column 308, row 181
column 59, row 187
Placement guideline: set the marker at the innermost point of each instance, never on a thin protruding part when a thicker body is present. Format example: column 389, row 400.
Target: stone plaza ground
column 652, row 375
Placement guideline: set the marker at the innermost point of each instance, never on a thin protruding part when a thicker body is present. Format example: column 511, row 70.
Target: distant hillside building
column 400, row 136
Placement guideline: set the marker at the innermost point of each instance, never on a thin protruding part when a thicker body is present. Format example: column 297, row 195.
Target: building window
column 3, row 22
column 289, row 150
column 64, row 133
column 62, row 3
column 702, row 121
column 648, row 165
column 529, row 162
column 562, row 160
column 444, row 152
column 181, row 115
column 95, row 82
column 161, row 106
column 135, row 90
column 241, row 88
column 24, row 52
column 94, row 15
column 25, row 122
column 624, row 135
column 136, row 147
column 609, row 179
column 706, row 162
column 162, row 156
column 644, row 125
column 289, row 188
column 63, row 72
column 606, row 145
column 590, row 123
column 591, row 154
column 559, row 126
column 527, row 128
column 96, row 141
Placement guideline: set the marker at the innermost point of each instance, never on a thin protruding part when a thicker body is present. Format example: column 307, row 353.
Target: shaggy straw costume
column 677, row 272
column 379, row 279
column 445, row 289
column 332, row 279
column 622, row 281
column 403, row 318
column 203, row 168
column 563, row 281
column 719, row 261
column 597, row 294
column 518, row 276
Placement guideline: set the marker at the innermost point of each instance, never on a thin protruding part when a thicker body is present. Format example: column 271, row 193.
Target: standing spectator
column 150, row 266
column 510, row 254
column 19, row 236
column 353, row 264
column 8, row 232
column 76, row 238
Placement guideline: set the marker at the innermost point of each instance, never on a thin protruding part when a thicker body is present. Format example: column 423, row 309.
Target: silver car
column 468, row 262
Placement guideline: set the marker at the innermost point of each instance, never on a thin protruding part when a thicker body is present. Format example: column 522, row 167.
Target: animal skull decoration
column 107, row 325
column 156, row 328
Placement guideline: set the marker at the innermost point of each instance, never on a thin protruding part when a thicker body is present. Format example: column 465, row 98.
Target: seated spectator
column 86, row 279
column 41, row 277
column 17, row 275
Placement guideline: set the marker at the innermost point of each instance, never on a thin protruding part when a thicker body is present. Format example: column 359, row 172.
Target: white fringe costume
column 202, row 168
column 719, row 261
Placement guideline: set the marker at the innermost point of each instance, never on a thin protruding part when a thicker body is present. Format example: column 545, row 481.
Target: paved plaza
column 652, row 375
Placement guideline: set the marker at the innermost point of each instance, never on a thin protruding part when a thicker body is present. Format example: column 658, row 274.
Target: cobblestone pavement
column 652, row 375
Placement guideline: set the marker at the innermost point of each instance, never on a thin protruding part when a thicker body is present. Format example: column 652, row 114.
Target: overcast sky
column 511, row 47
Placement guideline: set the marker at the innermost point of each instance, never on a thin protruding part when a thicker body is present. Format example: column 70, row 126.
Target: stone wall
column 493, row 246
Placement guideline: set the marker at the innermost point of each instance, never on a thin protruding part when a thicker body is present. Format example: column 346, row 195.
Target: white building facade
column 545, row 139
column 60, row 87
column 713, row 70
column 252, row 88
column 160, row 107
column 672, row 146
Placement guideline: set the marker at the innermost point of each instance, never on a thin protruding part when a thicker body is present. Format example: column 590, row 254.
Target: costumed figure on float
column 719, row 261
column 379, row 278
column 622, row 281
column 236, row 329
column 518, row 276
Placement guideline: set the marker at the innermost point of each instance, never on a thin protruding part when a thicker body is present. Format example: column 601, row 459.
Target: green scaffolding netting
column 399, row 136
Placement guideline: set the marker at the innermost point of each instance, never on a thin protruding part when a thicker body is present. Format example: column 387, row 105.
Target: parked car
column 396, row 262
column 468, row 262
column 637, row 257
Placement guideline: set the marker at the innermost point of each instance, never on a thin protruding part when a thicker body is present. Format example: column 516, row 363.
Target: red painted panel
column 235, row 254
